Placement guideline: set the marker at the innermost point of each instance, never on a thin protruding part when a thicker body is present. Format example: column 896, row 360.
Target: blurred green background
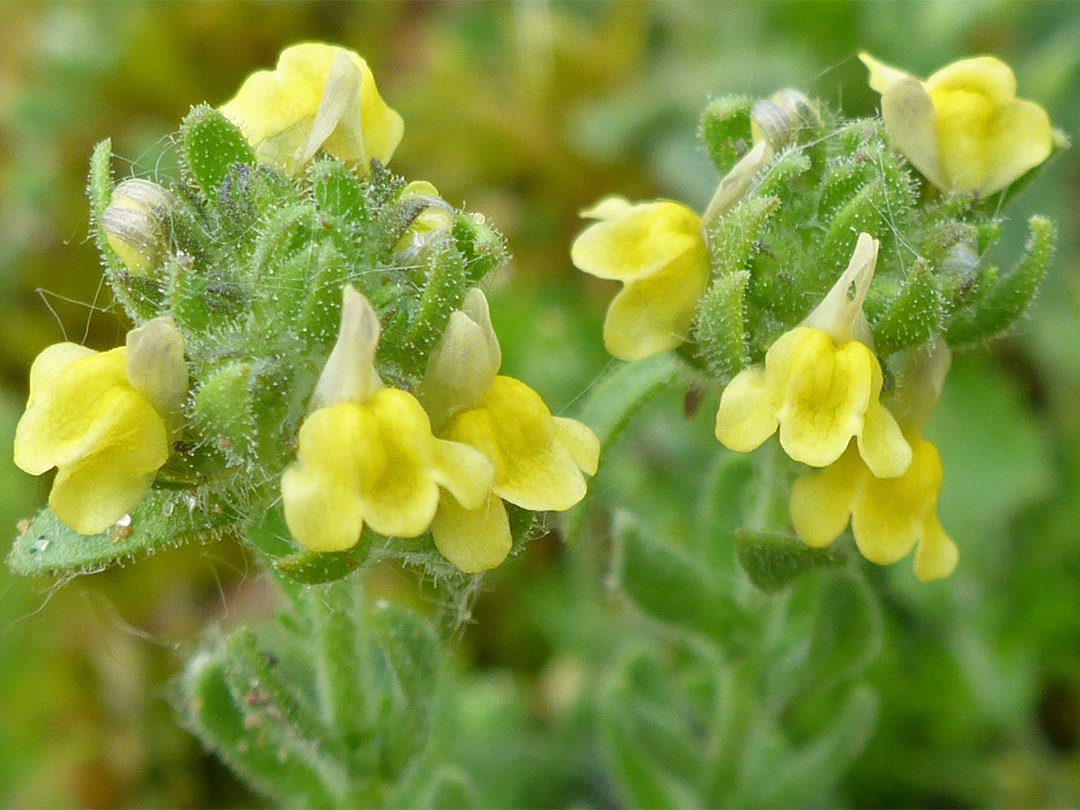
column 528, row 112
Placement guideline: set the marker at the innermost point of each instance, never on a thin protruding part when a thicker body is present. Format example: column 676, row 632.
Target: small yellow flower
column 318, row 97
column 102, row 419
column 538, row 458
column 889, row 516
column 820, row 385
column 963, row 128
column 656, row 251
column 366, row 453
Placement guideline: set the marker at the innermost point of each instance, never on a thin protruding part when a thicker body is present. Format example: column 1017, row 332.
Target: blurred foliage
column 527, row 112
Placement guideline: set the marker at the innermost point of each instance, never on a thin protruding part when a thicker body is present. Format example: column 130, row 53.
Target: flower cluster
column 240, row 359
column 821, row 385
column 729, row 286
column 376, row 455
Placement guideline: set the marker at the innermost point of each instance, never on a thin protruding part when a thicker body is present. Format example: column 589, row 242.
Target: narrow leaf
column 164, row 518
column 775, row 560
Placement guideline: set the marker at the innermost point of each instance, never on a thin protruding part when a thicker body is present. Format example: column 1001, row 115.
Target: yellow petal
column 92, row 495
column 937, row 554
column 827, row 394
column 323, row 508
column 748, row 406
column 71, row 407
column 881, row 442
column 653, row 314
column 821, row 502
column 637, row 243
column 581, row 443
column 48, row 366
column 117, row 462
column 911, row 124
column 1019, row 140
column 882, row 76
column 318, row 96
column 608, row 208
column 397, row 465
column 514, row 429
column 983, row 75
column 964, row 118
column 464, row 472
column 473, row 540
column 889, row 515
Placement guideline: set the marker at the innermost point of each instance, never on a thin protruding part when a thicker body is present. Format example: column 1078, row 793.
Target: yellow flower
column 366, row 453
column 318, row 97
column 963, row 128
column 820, row 385
column 656, row 251
column 538, row 458
column 889, row 516
column 102, row 419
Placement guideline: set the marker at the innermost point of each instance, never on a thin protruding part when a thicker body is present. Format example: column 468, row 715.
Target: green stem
column 768, row 463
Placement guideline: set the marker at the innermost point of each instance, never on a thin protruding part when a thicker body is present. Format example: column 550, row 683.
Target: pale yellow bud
column 133, row 224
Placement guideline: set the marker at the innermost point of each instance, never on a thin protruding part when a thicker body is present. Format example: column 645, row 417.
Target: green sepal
column 316, row 567
column 672, row 588
column 863, row 213
column 164, row 518
column 212, row 144
column 483, row 247
column 772, row 561
column 735, row 237
column 338, row 192
column 725, row 130
column 912, row 315
column 1005, row 299
column 247, row 193
column 99, row 187
column 783, row 173
column 223, row 411
column 720, row 328
column 443, row 286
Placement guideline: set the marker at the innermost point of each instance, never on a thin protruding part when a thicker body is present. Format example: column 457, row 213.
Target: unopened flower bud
column 464, row 363
column 350, row 374
column 435, row 219
column 778, row 119
column 133, row 223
